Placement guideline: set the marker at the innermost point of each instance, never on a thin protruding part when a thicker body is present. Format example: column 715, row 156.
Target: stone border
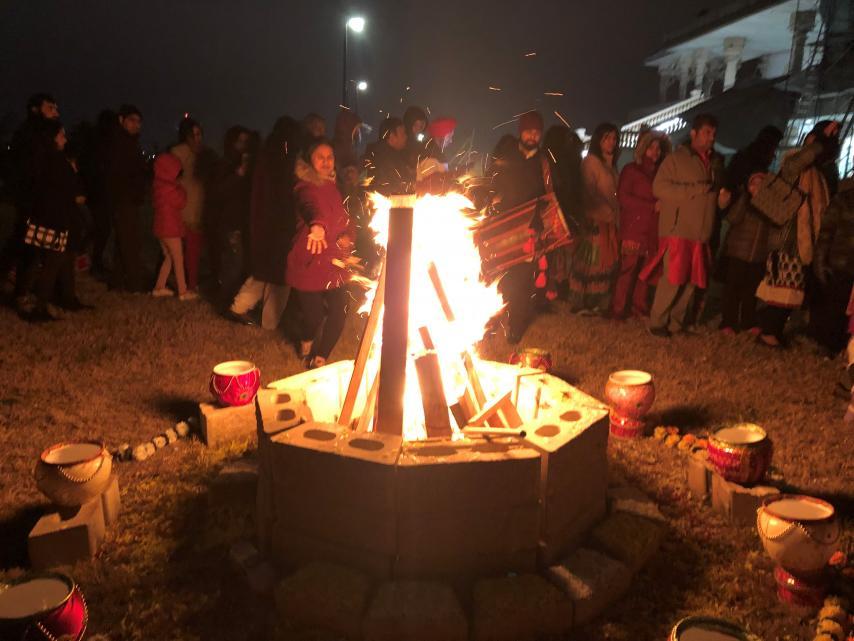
column 506, row 608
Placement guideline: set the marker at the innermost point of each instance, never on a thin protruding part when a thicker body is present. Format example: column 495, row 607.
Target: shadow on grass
column 16, row 529
column 685, row 416
column 177, row 407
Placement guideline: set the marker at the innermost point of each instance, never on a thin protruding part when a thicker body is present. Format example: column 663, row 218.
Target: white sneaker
column 162, row 293
column 188, row 295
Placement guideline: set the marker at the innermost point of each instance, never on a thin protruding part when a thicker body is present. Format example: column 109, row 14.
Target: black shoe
column 76, row 306
column 243, row 319
column 39, row 315
column 659, row 332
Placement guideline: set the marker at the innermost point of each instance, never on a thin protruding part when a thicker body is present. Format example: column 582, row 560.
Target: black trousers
column 101, row 229
column 517, row 288
column 738, row 306
column 128, row 270
column 773, row 321
column 828, row 324
column 56, row 266
column 329, row 306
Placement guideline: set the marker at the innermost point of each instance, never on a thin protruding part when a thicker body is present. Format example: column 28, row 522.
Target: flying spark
column 504, row 123
column 554, row 93
column 491, row 88
column 562, row 119
column 530, row 54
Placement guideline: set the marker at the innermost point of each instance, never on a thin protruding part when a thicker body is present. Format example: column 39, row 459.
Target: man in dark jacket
column 833, row 266
column 29, row 147
column 520, row 177
column 124, row 191
column 386, row 162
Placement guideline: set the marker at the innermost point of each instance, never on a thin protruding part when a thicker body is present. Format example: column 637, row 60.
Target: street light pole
column 357, row 24
column 344, row 77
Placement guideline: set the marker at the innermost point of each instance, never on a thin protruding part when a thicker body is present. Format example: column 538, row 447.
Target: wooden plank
column 433, row 400
column 364, row 351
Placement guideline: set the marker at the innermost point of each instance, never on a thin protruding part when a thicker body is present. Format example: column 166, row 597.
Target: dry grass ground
column 130, row 369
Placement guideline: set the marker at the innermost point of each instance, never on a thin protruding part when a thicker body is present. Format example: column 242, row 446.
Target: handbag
column 777, row 199
column 785, row 274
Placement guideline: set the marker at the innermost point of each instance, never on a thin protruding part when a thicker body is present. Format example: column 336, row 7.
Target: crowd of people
column 287, row 214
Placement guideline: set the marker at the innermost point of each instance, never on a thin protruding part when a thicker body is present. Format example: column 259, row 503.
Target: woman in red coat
column 638, row 223
column 169, row 199
column 323, row 235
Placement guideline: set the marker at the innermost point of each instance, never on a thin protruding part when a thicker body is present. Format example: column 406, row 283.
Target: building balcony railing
column 668, row 120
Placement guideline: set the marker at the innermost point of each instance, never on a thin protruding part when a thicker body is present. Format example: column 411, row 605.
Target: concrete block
column 292, row 548
column 469, row 474
column 736, row 502
column 628, row 538
column 222, row 425
column 280, row 410
column 324, row 596
column 324, row 389
column 472, row 543
column 111, row 502
column 415, row 611
column 519, row 608
column 574, row 485
column 592, row 580
column 698, row 472
column 64, row 541
column 631, row 500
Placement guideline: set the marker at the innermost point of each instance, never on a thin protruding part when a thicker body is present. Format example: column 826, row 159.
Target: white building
column 783, row 62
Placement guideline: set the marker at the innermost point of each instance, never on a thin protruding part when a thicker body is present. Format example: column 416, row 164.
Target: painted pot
column 630, row 395
column 800, row 592
column 741, row 453
column 798, row 532
column 699, row 628
column 532, row 357
column 70, row 474
column 39, row 606
column 235, row 382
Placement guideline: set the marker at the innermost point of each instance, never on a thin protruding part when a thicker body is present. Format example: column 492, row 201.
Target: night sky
column 249, row 61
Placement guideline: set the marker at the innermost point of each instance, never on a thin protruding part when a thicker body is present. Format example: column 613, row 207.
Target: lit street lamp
column 357, row 25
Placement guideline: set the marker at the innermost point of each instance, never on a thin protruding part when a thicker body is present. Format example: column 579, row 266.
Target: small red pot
column 235, row 382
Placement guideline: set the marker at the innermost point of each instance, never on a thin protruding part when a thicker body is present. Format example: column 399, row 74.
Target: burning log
column 370, row 406
column 392, row 375
column 500, row 409
column 364, row 351
column 436, row 418
column 494, row 431
column 471, row 372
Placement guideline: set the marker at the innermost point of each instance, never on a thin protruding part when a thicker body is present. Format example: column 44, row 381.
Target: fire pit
column 428, row 463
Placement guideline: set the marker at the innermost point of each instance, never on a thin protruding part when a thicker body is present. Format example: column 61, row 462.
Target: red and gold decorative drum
column 698, row 628
column 799, row 592
column 235, row 382
column 42, row 607
column 798, row 532
column 741, row 453
column 533, row 358
column 70, row 474
column 630, row 394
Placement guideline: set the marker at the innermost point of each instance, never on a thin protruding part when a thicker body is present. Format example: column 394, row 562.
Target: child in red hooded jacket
column 169, row 198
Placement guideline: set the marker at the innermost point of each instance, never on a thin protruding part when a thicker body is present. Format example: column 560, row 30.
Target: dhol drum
column 505, row 240
column 70, row 474
column 799, row 592
column 42, row 607
column 698, row 628
column 798, row 532
column 235, row 382
column 532, row 357
column 741, row 453
column 630, row 394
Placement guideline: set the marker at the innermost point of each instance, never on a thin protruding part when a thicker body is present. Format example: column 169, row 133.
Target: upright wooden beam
column 396, row 318
column 436, row 418
column 364, row 351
